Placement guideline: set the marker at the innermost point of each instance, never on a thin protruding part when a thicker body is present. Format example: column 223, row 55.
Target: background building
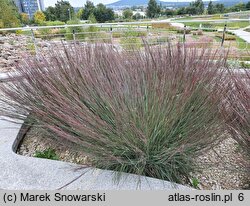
column 29, row 6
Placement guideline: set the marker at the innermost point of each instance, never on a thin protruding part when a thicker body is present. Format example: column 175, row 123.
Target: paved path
column 242, row 34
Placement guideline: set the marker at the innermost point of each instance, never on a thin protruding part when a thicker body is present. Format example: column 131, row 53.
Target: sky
column 80, row 3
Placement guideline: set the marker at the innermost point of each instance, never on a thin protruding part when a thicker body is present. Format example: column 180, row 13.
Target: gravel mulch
column 223, row 167
column 34, row 141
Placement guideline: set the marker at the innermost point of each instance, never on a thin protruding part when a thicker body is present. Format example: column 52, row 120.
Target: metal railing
column 130, row 35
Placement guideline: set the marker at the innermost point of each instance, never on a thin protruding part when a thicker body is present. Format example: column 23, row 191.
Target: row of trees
column 63, row 11
column 240, row 7
column 128, row 14
column 215, row 8
column 196, row 7
column 220, row 8
column 10, row 17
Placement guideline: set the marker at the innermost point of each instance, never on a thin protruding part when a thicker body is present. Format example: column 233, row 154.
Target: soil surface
column 223, row 167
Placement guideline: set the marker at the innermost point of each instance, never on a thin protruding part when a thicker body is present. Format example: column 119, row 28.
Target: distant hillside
column 129, row 3
column 173, row 3
column 228, row 3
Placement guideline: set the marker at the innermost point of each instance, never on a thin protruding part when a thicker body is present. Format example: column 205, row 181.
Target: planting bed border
column 20, row 172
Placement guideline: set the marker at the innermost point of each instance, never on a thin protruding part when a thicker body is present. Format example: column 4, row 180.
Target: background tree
column 238, row 7
column 248, row 6
column 88, row 9
column 39, row 17
column 127, row 14
column 24, row 18
column 219, row 8
column 153, row 10
column 79, row 14
column 181, row 11
column 192, row 10
column 200, row 5
column 196, row 8
column 103, row 14
column 137, row 16
column 92, row 18
column 9, row 16
column 210, row 8
column 63, row 11
column 169, row 12
column 50, row 14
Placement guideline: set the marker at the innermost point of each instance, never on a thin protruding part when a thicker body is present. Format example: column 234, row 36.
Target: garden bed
column 223, row 167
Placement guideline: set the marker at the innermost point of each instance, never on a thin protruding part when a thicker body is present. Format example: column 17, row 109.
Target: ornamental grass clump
column 147, row 112
column 237, row 108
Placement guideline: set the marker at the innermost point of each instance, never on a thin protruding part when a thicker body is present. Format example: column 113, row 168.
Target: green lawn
column 242, row 44
column 235, row 25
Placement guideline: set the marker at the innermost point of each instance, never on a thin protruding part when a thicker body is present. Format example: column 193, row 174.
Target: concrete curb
column 20, row 172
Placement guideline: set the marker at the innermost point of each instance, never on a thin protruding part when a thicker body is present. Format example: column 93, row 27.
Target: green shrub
column 19, row 32
column 245, row 65
column 198, row 32
column 181, row 31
